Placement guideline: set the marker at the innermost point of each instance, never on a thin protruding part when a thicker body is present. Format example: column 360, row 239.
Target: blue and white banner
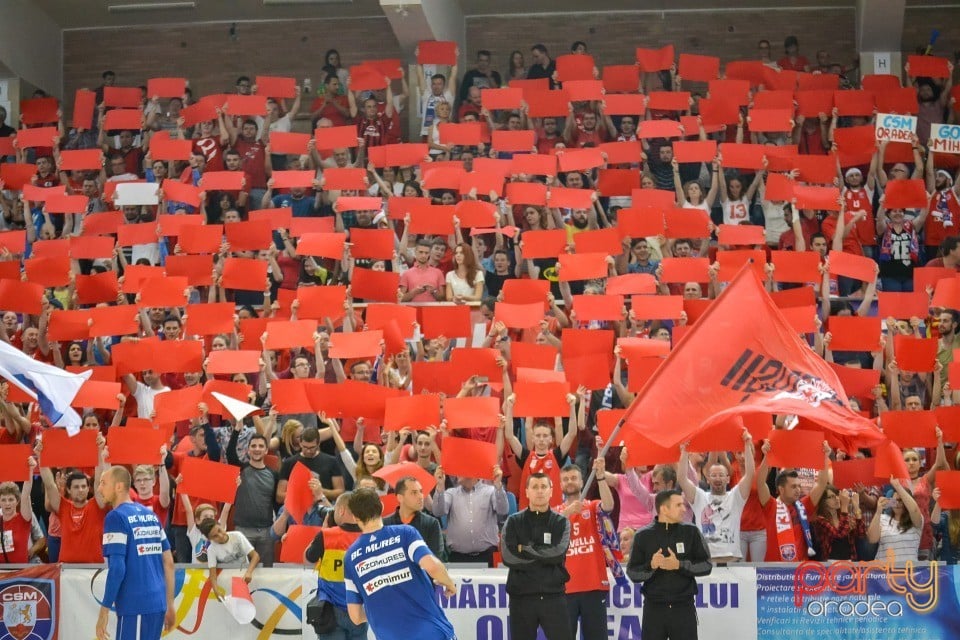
column 895, row 128
column 945, row 138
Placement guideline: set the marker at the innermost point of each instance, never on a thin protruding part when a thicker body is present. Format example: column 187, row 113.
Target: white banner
column 945, row 138
column 726, row 605
column 895, row 128
column 276, row 593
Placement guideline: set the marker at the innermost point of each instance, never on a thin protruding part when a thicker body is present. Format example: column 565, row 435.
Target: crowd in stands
column 559, row 206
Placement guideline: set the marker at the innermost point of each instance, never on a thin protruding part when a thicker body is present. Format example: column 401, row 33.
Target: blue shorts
column 147, row 626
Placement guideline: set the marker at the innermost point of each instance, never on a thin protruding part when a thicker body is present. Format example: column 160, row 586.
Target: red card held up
column 355, row 345
column 656, row 307
column 227, row 361
column 624, row 105
column 698, row 68
column 276, row 87
column 299, row 498
column 910, row 428
column 135, row 446
column 598, row 307
column 574, row 66
column 928, row 66
column 547, row 243
column 741, row 234
column 318, row 303
column 247, row 274
column 742, row 156
column 437, row 52
column 655, row 59
column 903, row 306
column 795, row 266
column 61, row 450
column 798, row 448
column 659, row 129
column 531, row 193
column 915, row 354
column 507, row 98
column 295, row 542
column 448, row 321
column 515, row 141
column 467, row 458
column 685, row 270
column 623, row 78
column 210, row 480
column 180, row 404
column 770, row 120
column 166, row 87
column 848, row 473
column 289, row 334
column 519, row 316
column 695, row 151
column 412, row 412
column 393, row 472
column 905, row 194
column 376, row 286
column 668, row 101
column 853, row 333
column 852, row 266
column 252, row 105
column 15, row 467
column 585, row 266
column 686, row 223
column 948, row 482
column 631, row 283
column 541, row 399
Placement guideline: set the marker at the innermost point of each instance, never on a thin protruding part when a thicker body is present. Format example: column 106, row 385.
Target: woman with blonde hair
column 288, row 444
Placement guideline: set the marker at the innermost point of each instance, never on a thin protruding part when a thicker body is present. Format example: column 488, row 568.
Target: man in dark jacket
column 534, row 547
column 410, row 511
column 667, row 557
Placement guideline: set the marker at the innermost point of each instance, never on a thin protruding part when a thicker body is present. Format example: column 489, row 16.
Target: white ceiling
column 85, row 14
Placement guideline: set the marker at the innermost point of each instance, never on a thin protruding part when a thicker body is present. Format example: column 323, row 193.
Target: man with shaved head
column 139, row 565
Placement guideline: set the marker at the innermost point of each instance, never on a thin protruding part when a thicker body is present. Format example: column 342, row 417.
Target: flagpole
column 601, row 454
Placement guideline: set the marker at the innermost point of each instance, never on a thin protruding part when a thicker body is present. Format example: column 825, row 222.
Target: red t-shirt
column 548, row 464
column 585, row 558
column 770, row 518
column 374, row 132
column 15, row 540
column 210, row 148
column 152, row 503
column 851, row 244
column 252, row 159
column 81, row 532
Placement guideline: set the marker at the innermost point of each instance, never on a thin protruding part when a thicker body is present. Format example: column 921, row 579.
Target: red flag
column 759, row 365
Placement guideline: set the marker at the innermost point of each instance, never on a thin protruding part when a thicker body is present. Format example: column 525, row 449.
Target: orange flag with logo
column 731, row 363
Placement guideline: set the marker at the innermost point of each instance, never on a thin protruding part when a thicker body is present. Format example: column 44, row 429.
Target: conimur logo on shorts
column 28, row 613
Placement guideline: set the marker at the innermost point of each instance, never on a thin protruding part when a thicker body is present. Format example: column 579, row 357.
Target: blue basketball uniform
column 382, row 572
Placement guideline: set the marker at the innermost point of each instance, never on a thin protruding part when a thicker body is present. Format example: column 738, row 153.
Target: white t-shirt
column 736, row 211
column 904, row 544
column 198, row 545
column 145, row 397
column 459, row 286
column 236, row 550
column 718, row 517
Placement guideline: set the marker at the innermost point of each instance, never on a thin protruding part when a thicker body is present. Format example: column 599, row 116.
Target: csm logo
column 27, row 610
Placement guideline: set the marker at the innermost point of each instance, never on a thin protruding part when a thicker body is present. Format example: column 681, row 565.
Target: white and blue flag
column 53, row 389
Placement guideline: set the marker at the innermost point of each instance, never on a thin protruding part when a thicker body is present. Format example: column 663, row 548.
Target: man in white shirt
column 145, row 392
column 718, row 512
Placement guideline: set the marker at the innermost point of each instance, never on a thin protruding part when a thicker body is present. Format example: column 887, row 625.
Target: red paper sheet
column 210, row 480
column 853, row 333
column 466, row 458
column 797, row 448
column 852, row 266
column 60, row 450
column 910, row 428
column 698, row 68
column 412, row 412
column 135, row 446
column 437, row 52
column 915, row 354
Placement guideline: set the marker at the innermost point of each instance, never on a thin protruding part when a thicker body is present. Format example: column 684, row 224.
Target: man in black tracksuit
column 667, row 557
column 534, row 547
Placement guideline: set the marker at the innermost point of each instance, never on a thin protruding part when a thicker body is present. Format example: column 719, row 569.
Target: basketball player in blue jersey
column 139, row 565
column 387, row 574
